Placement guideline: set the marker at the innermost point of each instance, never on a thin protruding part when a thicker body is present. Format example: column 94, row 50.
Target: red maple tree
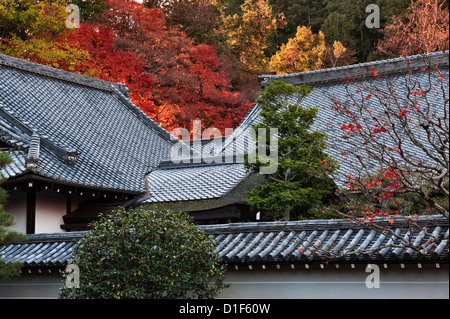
column 169, row 76
column 396, row 142
column 189, row 81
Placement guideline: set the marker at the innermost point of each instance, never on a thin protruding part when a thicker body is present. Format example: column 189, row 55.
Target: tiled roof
column 185, row 182
column 329, row 240
column 43, row 250
column 281, row 242
column 195, row 175
column 193, row 182
column 17, row 167
column 329, row 84
column 87, row 131
column 388, row 68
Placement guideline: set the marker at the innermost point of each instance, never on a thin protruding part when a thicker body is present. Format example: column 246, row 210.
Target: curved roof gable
column 90, row 133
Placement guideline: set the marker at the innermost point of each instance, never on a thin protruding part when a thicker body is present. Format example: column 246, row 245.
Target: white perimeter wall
column 410, row 282
column 344, row 282
column 44, row 285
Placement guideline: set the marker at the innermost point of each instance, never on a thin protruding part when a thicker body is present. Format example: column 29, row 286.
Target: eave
column 23, row 181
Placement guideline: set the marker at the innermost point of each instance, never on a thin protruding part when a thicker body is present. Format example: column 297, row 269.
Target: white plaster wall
column 37, row 285
column 17, row 206
column 410, row 282
column 344, row 282
column 50, row 208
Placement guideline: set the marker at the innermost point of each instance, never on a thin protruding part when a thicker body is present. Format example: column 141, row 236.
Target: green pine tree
column 301, row 183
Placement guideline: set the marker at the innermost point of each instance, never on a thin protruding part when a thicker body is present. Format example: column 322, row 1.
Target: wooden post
column 68, row 204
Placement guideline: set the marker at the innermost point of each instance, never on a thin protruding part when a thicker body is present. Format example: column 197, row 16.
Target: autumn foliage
column 305, row 52
column 171, row 78
column 200, row 59
column 421, row 28
column 247, row 34
column 395, row 138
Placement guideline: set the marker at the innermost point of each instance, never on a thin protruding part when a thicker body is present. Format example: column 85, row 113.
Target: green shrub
column 144, row 254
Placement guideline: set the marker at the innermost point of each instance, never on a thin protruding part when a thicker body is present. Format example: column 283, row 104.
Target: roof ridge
column 59, row 74
column 271, row 226
column 32, row 159
column 67, row 236
column 200, row 161
column 66, row 153
column 361, row 70
column 242, row 227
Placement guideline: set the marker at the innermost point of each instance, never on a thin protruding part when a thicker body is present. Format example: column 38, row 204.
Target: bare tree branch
column 399, row 129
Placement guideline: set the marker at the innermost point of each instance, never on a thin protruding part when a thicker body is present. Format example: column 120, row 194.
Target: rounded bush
column 146, row 254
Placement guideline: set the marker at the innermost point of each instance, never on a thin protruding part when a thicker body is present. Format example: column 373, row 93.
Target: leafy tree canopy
column 143, row 254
